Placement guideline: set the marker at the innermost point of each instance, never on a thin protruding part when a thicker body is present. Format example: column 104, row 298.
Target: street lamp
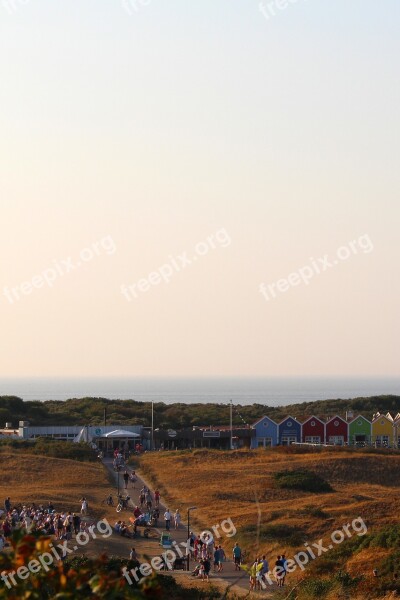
column 118, row 470
column 188, row 533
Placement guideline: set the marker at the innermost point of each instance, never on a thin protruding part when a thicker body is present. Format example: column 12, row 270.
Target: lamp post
column 118, row 470
column 188, row 533
column 152, row 426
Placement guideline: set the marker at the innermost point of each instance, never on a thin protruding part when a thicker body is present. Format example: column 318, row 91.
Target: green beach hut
column 360, row 431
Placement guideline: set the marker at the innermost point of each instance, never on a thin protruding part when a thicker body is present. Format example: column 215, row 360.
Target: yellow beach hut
column 382, row 430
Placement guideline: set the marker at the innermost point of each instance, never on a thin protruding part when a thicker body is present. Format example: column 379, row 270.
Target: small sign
column 171, row 433
column 212, row 434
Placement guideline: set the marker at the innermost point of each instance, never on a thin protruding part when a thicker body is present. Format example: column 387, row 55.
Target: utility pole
column 118, row 470
column 231, row 426
column 152, row 426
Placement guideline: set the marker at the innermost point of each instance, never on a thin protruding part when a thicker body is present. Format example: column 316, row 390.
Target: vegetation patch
column 313, row 511
column 303, row 480
column 279, row 532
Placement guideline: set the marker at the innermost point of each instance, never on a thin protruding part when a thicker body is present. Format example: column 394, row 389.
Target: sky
column 199, row 188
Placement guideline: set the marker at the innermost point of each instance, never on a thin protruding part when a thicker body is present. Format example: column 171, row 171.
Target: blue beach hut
column 289, row 430
column 266, row 433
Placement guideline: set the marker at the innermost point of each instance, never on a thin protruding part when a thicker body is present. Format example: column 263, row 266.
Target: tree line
column 90, row 411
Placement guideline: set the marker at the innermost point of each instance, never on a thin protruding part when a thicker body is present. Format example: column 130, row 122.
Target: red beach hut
column 336, row 431
column 313, row 431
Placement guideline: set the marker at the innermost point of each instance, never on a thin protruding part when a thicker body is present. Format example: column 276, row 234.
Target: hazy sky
column 250, row 144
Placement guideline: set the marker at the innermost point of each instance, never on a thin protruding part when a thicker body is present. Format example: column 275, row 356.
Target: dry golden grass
column 240, row 485
column 29, row 478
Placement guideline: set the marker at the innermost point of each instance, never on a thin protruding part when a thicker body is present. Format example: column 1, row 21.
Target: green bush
column 303, row 480
column 313, row 511
column 316, row 588
column 281, row 532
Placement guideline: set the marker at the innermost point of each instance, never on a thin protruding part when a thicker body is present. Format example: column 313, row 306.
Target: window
column 265, row 423
column 288, row 439
column 289, row 423
column 313, row 439
column 384, row 439
column 264, row 442
column 337, row 440
column 336, row 423
column 313, row 423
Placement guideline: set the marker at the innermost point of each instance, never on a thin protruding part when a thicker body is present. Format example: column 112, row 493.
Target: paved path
column 150, row 547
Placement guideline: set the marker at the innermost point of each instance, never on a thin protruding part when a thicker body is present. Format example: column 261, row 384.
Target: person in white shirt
column 167, row 517
column 84, row 506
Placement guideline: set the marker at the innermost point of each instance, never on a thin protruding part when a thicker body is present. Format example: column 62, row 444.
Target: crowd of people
column 204, row 552
column 146, row 512
column 46, row 520
column 63, row 524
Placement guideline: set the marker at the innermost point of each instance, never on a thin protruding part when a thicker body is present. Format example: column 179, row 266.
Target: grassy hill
column 270, row 518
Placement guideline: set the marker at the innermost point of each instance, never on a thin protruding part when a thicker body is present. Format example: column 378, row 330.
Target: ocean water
column 273, row 391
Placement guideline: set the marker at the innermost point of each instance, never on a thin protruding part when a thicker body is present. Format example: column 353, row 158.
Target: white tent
column 82, row 436
column 120, row 433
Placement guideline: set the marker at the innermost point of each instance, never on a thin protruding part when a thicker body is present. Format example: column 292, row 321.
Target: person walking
column 265, row 568
column 216, row 559
column 177, row 519
column 156, row 516
column 259, row 576
column 84, row 506
column 253, row 575
column 157, row 497
column 167, row 518
column 237, row 556
column 133, row 479
column 149, row 500
column 207, row 568
column 222, row 558
column 126, row 478
column 76, row 523
column 279, row 571
column 284, row 564
column 133, row 554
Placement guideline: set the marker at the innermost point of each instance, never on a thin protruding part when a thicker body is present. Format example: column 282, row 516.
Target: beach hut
column 336, row 431
column 382, row 430
column 313, row 431
column 396, row 431
column 360, row 431
column 266, row 433
column 289, row 431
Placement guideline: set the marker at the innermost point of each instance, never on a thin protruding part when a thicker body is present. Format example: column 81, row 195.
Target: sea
column 269, row 391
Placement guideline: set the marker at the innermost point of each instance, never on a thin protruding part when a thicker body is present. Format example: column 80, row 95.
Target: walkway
column 148, row 548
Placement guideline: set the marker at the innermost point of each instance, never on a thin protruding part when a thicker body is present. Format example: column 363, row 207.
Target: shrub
column 313, row 511
column 81, row 577
column 288, row 534
column 316, row 588
column 303, row 480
